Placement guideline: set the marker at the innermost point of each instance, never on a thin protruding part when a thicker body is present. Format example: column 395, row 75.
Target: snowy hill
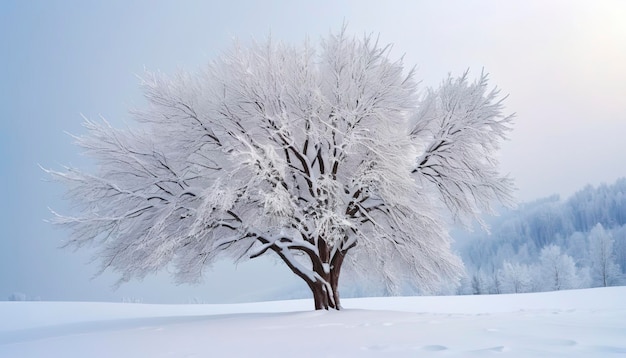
column 577, row 323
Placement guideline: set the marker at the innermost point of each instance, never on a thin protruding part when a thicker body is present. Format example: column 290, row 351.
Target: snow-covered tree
column 515, row 277
column 619, row 235
column 17, row 296
column 322, row 156
column 481, row 283
column 604, row 270
column 578, row 248
column 557, row 270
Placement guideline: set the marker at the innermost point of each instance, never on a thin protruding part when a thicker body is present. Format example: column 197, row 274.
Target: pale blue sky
column 561, row 62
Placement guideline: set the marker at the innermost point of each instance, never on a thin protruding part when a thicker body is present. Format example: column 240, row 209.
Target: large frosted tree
column 324, row 156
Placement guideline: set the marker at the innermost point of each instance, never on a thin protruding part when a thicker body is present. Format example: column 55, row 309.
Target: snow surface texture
column 577, row 323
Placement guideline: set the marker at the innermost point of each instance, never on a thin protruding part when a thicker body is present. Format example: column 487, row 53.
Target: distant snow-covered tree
column 619, row 235
column 497, row 281
column 17, row 296
column 604, row 270
column 321, row 156
column 557, row 270
column 577, row 248
column 481, row 283
column 516, row 278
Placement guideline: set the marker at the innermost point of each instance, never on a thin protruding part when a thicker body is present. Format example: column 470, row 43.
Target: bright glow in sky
column 561, row 62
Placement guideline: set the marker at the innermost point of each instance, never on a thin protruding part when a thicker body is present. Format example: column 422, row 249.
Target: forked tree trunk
column 320, row 297
column 326, row 295
column 324, row 287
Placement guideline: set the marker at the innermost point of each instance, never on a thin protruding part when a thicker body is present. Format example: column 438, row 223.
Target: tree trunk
column 325, row 286
column 321, row 297
column 335, row 270
column 326, row 294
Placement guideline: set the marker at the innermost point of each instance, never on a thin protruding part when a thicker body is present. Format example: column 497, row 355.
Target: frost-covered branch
column 460, row 127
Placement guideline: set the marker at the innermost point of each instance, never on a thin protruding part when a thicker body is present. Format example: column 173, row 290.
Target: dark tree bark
column 326, row 290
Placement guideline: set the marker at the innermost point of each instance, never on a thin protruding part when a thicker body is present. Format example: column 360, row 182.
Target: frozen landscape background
column 562, row 64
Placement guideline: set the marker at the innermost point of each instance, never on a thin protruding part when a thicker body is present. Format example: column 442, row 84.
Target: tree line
column 551, row 244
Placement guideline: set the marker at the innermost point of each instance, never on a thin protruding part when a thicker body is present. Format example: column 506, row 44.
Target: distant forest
column 550, row 244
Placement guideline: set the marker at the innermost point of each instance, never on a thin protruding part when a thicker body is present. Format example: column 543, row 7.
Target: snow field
column 577, row 323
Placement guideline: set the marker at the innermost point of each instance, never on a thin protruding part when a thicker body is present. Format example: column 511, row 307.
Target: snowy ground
column 579, row 323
